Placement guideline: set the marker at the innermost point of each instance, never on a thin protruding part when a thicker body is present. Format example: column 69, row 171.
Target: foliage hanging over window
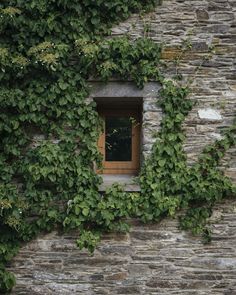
column 49, row 132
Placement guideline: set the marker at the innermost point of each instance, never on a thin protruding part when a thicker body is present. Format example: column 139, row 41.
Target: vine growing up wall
column 49, row 132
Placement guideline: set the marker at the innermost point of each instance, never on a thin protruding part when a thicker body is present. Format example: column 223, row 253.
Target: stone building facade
column 159, row 258
column 203, row 24
column 153, row 259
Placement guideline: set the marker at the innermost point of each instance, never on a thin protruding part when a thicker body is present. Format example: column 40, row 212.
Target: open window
column 120, row 141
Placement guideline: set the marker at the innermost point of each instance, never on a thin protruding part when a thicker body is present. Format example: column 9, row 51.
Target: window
column 120, row 142
column 117, row 102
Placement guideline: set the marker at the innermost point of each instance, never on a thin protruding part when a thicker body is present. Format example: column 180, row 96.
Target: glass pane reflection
column 118, row 139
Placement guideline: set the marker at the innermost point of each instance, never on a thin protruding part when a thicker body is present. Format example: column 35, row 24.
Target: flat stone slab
column 128, row 181
column 209, row 114
column 119, row 89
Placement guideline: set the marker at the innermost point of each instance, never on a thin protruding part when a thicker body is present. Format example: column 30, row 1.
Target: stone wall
column 159, row 258
column 202, row 23
column 154, row 259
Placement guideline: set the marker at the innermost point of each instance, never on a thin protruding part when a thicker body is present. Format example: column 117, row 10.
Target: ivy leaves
column 49, row 132
column 168, row 184
column 137, row 60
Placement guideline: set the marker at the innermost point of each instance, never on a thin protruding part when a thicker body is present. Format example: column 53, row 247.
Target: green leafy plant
column 49, row 131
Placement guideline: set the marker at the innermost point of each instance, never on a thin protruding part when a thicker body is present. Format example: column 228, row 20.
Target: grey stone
column 154, row 258
column 157, row 258
column 122, row 89
column 202, row 14
column 209, row 114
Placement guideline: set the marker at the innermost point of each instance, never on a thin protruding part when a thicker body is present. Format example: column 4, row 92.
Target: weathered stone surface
column 209, row 114
column 202, row 14
column 155, row 258
column 203, row 23
column 122, row 89
column 158, row 259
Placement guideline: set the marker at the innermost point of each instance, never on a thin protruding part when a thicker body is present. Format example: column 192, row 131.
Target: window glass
column 118, row 134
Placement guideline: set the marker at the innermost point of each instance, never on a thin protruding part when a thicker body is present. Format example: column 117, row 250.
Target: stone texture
column 122, row 89
column 152, row 259
column 129, row 182
column 203, row 23
column 209, row 114
column 159, row 259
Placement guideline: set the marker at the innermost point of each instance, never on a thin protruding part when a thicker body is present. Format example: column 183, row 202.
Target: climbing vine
column 49, row 131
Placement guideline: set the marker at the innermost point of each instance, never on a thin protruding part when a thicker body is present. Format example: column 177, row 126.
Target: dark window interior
column 118, row 134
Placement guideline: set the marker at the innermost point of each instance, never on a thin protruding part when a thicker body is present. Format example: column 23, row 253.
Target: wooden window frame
column 122, row 167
